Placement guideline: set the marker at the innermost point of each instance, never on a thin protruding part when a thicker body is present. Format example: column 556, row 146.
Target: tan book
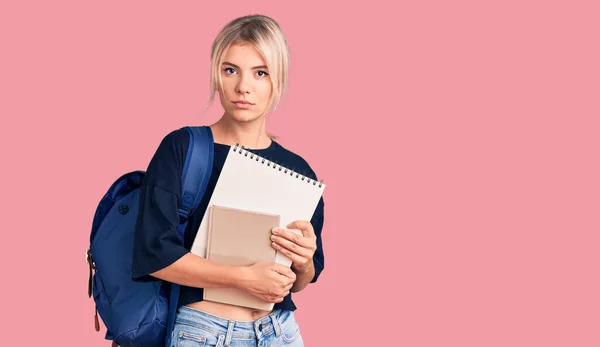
column 239, row 237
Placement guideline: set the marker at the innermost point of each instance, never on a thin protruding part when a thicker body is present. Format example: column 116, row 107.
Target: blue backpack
column 138, row 313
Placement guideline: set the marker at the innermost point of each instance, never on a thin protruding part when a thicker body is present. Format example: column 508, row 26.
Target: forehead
column 244, row 56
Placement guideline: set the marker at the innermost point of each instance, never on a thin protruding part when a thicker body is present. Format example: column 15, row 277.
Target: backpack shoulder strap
column 196, row 169
column 196, row 173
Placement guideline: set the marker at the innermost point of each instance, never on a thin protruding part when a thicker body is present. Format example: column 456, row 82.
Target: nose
column 243, row 85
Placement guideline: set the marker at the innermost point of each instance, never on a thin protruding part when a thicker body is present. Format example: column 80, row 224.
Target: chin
column 243, row 115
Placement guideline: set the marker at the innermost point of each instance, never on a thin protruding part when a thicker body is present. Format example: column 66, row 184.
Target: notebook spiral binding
column 241, row 150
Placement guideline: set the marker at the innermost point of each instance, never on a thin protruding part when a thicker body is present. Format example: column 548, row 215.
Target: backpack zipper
column 90, row 261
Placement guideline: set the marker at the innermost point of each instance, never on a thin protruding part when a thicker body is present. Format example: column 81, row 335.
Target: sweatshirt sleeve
column 317, row 223
column 156, row 244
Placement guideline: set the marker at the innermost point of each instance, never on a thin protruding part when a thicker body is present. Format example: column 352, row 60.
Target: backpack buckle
column 184, row 213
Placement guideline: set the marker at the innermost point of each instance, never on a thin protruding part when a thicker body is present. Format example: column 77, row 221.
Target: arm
column 267, row 281
column 195, row 271
column 303, row 277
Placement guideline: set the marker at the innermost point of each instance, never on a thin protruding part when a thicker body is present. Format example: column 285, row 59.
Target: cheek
column 265, row 91
column 225, row 86
column 226, row 92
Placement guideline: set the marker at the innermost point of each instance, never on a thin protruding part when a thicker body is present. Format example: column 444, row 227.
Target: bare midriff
column 229, row 311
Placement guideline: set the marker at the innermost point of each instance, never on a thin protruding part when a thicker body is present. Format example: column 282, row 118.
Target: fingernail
column 273, row 237
column 275, row 230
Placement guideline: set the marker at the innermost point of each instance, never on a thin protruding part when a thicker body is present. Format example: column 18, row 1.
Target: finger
column 296, row 259
column 292, row 236
column 284, row 271
column 275, row 298
column 284, row 291
column 304, row 226
column 302, row 251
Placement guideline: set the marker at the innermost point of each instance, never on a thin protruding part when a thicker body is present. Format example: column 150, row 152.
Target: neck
column 252, row 135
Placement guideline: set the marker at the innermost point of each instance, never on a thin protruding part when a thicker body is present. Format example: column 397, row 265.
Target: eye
column 264, row 73
column 229, row 70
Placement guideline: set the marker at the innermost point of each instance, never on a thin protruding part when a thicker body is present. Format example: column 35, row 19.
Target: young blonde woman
column 250, row 62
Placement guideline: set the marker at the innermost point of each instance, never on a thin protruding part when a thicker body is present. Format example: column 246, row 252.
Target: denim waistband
column 257, row 329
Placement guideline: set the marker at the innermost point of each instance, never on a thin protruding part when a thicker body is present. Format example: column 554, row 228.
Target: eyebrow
column 237, row 67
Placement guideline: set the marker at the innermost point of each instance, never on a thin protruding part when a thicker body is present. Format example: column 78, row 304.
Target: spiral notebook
column 239, row 238
column 250, row 182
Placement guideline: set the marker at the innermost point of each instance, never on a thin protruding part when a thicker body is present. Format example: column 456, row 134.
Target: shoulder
column 173, row 144
column 178, row 138
column 171, row 152
column 293, row 161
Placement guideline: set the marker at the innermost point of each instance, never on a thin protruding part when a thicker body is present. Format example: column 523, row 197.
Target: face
column 246, row 82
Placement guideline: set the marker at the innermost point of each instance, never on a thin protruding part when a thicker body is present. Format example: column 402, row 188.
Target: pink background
column 459, row 141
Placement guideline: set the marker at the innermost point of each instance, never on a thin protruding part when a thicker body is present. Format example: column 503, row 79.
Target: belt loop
column 229, row 333
column 275, row 323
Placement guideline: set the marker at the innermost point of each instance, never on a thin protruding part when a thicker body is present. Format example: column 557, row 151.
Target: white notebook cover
column 250, row 182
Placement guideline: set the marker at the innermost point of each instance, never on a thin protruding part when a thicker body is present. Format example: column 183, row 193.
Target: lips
column 242, row 102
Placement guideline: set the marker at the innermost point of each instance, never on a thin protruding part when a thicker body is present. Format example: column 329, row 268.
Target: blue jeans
column 195, row 328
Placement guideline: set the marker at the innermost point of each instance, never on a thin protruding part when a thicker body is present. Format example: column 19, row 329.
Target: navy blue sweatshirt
column 155, row 243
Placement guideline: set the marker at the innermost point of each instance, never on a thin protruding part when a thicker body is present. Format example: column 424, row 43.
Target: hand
column 299, row 248
column 270, row 282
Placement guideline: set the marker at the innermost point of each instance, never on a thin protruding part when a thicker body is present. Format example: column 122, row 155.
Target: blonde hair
column 265, row 35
